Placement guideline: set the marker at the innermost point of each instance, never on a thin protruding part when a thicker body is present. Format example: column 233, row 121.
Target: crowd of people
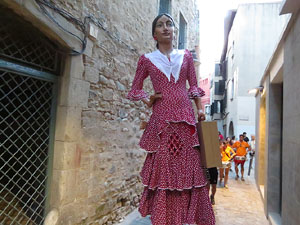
column 231, row 150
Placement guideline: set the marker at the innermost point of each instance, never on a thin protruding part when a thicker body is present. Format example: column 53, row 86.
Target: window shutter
column 182, row 33
column 164, row 6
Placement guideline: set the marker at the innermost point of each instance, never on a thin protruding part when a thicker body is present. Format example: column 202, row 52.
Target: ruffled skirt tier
column 175, row 190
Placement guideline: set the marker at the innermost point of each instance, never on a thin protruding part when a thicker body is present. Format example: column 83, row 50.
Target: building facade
column 69, row 141
column 217, row 89
column 204, row 83
column 251, row 34
column 278, row 125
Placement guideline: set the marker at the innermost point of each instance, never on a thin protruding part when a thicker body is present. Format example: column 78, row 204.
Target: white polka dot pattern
column 174, row 179
column 177, row 165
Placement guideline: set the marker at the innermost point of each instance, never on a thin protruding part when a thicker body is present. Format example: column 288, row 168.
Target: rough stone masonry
column 97, row 159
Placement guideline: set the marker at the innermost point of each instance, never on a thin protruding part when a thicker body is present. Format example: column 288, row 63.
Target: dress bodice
column 174, row 92
column 175, row 105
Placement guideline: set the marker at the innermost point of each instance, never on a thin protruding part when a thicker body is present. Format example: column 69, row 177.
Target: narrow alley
column 101, row 98
column 240, row 204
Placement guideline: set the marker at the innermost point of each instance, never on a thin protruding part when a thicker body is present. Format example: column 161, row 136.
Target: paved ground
column 240, row 204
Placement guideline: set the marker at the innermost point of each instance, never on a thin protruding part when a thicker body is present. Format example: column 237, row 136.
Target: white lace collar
column 164, row 65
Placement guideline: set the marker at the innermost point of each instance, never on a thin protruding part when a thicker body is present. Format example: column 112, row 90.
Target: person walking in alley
column 232, row 140
column 221, row 137
column 228, row 141
column 241, row 147
column 252, row 144
column 245, row 137
column 227, row 156
column 213, row 180
column 175, row 190
column 251, row 153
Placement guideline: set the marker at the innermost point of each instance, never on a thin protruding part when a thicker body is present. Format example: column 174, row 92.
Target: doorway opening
column 29, row 69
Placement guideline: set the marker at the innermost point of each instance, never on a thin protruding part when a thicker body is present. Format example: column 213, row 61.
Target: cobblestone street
column 240, row 204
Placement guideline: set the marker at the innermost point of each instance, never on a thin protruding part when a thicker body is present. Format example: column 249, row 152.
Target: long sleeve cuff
column 195, row 92
column 136, row 95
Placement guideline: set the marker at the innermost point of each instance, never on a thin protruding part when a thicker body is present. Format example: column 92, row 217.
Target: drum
column 240, row 158
column 226, row 164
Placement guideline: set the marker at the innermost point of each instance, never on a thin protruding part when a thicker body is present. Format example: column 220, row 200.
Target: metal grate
column 21, row 42
column 25, row 114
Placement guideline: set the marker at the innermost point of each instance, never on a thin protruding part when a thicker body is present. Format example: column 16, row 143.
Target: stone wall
column 97, row 159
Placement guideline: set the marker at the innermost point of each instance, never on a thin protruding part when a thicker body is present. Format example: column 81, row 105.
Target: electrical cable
column 82, row 25
column 69, row 17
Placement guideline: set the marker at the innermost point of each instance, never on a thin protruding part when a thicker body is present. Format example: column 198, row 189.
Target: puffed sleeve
column 136, row 93
column 194, row 91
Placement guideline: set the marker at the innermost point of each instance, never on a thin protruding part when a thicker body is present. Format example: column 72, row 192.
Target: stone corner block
column 68, row 123
column 63, row 189
column 64, row 155
column 89, row 48
column 76, row 67
column 78, row 93
column 91, row 74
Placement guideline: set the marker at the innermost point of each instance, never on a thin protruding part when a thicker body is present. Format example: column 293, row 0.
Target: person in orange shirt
column 230, row 143
column 241, row 147
column 227, row 154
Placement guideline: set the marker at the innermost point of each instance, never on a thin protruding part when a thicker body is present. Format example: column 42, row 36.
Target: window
column 165, row 6
column 218, row 107
column 224, row 69
column 182, row 33
column 232, row 90
column 219, row 87
column 234, row 84
column 28, row 93
column 215, row 107
column 217, row 91
column 217, row 70
column 207, row 109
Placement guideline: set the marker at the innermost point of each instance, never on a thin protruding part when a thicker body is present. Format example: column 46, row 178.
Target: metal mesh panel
column 25, row 113
column 21, row 42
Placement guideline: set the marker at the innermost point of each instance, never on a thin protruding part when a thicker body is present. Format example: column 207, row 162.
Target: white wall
column 246, row 115
column 252, row 40
column 258, row 29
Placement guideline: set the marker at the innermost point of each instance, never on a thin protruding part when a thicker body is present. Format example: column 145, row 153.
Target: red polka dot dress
column 175, row 190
